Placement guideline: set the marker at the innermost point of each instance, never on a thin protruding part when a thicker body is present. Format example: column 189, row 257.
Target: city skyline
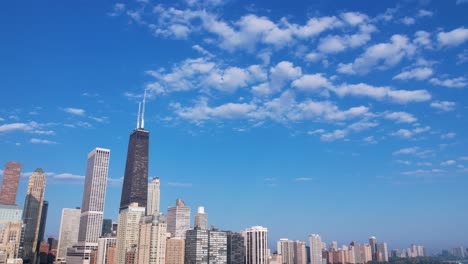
column 270, row 122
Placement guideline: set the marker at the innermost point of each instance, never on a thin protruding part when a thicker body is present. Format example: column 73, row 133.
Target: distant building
column 285, row 248
column 235, row 248
column 10, row 182
column 106, row 227
column 43, row 222
column 152, row 207
column 127, row 233
column 201, row 219
column 458, row 252
column 175, row 251
column 373, row 245
column 178, row 219
column 32, row 214
column 256, row 245
column 10, row 238
column 315, row 243
column 68, row 232
column 300, row 255
column 382, row 252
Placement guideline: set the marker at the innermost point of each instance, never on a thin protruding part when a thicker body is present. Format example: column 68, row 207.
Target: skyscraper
column 235, row 248
column 32, row 214
column 68, row 233
column 92, row 208
column 382, row 252
column 256, row 245
column 106, row 249
column 178, row 219
column 10, row 182
column 127, row 232
column 135, row 185
column 315, row 243
column 152, row 240
column 106, row 227
column 152, row 208
column 196, row 246
column 373, row 245
column 42, row 224
column 201, row 219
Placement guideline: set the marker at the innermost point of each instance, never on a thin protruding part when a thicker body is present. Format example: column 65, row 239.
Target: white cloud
column 352, row 128
column 465, row 158
column 370, row 140
column 408, row 21
column 444, row 105
column 459, row 2
column 453, row 38
column 448, row 163
column 118, row 9
column 425, row 13
column 409, row 133
column 459, row 82
column 424, row 164
column 404, row 162
column 420, row 172
column 449, row 135
column 423, row 39
column 380, row 56
column 311, row 82
column 382, row 93
column 317, row 131
column 332, row 136
column 416, row 73
column 68, row 176
column 406, row 151
column 400, row 117
column 42, row 141
column 303, row 179
column 74, row 111
column 280, row 74
column 26, row 127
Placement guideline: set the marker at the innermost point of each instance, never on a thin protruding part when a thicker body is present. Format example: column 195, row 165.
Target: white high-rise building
column 152, row 240
column 285, row 248
column 128, row 230
column 201, row 219
column 68, row 233
column 256, row 245
column 178, row 219
column 382, row 252
column 92, row 209
column 316, row 245
column 152, row 205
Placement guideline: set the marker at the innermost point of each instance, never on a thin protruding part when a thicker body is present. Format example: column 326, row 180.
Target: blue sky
column 343, row 118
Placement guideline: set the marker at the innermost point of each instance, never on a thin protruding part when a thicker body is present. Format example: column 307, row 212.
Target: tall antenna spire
column 143, row 111
column 138, row 117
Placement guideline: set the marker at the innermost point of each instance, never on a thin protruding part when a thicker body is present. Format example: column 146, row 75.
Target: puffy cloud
column 408, row 21
column 26, row 127
column 400, row 117
column 453, row 38
column 423, row 38
column 444, row 105
column 354, row 18
column 416, row 73
column 459, row 82
column 380, row 56
column 352, row 128
column 280, row 74
column 382, row 93
column 425, row 13
column 311, row 82
column 416, row 151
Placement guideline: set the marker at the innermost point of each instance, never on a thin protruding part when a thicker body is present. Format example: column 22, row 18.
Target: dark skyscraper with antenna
column 135, row 185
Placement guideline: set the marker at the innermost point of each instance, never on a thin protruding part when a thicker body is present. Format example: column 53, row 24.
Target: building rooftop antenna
column 143, row 111
column 138, row 117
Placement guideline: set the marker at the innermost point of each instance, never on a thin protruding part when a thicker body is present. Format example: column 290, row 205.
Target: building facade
column 175, row 251
column 256, row 245
column 196, row 246
column 217, row 247
column 127, row 232
column 106, row 250
column 32, row 214
column 68, row 232
column 10, row 182
column 235, row 248
column 315, row 243
column 152, row 240
column 152, row 207
column 201, row 219
column 178, row 219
